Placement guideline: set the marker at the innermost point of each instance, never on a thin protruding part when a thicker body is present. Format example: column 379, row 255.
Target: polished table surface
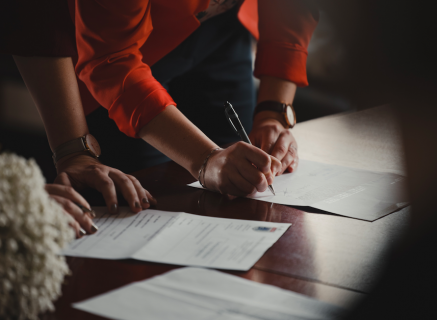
column 329, row 257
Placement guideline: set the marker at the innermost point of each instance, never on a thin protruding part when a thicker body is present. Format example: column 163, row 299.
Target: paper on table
column 195, row 293
column 178, row 238
column 345, row 191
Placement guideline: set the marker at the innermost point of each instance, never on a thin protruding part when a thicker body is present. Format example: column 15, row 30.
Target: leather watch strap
column 286, row 110
column 270, row 106
column 69, row 147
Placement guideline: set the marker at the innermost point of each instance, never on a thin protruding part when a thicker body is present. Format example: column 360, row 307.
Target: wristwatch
column 86, row 143
column 286, row 110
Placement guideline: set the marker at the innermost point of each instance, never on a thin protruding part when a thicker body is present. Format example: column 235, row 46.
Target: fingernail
column 94, row 228
column 82, row 232
column 137, row 205
column 114, row 208
column 145, row 200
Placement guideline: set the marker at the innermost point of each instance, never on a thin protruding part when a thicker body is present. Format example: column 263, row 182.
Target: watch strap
column 270, row 105
column 69, row 147
column 279, row 107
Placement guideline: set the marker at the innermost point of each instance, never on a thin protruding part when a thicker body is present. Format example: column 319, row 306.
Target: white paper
column 345, row 191
column 178, row 238
column 195, row 294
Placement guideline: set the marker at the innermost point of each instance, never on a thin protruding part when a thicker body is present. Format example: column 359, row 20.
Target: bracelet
column 203, row 167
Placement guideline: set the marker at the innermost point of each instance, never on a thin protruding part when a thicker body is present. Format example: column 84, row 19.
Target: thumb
column 63, row 179
column 276, row 165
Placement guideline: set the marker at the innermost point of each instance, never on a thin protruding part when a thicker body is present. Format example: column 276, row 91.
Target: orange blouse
column 118, row 40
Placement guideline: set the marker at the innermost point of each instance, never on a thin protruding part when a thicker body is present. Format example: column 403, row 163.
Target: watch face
column 291, row 116
column 93, row 145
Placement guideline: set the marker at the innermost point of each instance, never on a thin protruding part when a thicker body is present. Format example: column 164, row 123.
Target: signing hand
column 82, row 171
column 269, row 134
column 240, row 170
column 68, row 198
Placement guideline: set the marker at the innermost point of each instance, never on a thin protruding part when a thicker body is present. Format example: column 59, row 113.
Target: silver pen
column 235, row 123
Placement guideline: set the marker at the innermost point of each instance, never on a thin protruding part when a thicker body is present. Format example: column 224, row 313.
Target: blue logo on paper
column 265, row 229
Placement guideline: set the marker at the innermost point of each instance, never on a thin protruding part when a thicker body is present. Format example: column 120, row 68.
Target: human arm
column 228, row 171
column 119, row 79
column 269, row 130
column 53, row 86
column 285, row 29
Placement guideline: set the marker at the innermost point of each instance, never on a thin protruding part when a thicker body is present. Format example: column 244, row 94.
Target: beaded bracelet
column 203, row 167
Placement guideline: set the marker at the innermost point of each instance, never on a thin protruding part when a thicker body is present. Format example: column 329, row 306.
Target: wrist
column 271, row 116
column 77, row 156
column 198, row 162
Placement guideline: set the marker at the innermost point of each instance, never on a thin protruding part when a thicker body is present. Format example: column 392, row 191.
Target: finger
column 151, row 198
column 243, row 186
column 63, row 179
column 256, row 156
column 282, row 145
column 78, row 231
column 67, row 192
column 293, row 166
column 268, row 138
column 77, row 228
column 106, row 187
column 127, row 189
column 276, row 166
column 286, row 162
column 74, row 211
column 253, row 176
column 141, row 192
column 237, row 186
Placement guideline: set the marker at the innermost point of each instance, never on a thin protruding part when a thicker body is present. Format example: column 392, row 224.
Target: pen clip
column 231, row 123
column 232, row 114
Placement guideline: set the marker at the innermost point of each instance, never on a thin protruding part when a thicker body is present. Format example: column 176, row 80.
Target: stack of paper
column 345, row 191
column 178, row 238
column 195, row 294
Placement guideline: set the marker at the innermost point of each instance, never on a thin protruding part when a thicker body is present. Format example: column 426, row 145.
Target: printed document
column 195, row 294
column 178, row 238
column 345, row 191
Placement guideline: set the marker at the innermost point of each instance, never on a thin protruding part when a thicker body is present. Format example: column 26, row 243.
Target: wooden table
column 328, row 257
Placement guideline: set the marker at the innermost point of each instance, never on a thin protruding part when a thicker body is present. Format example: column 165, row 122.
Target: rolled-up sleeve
column 285, row 29
column 109, row 35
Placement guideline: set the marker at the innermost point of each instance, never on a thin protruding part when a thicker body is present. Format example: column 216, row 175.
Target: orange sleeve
column 109, row 35
column 285, row 29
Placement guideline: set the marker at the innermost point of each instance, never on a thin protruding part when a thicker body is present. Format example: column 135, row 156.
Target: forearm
column 53, row 86
column 275, row 89
column 175, row 136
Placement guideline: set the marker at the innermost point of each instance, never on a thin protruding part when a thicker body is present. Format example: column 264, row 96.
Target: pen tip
column 272, row 190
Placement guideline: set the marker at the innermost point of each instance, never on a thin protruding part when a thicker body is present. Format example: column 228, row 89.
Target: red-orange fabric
column 117, row 41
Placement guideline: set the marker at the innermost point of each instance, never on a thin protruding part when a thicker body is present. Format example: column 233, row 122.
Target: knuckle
column 282, row 149
column 107, row 183
column 131, row 177
column 69, row 189
column 124, row 179
column 69, row 206
column 251, row 190
column 95, row 169
column 259, row 179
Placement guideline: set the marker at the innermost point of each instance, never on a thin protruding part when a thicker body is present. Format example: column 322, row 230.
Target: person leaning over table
column 41, row 44
column 138, row 57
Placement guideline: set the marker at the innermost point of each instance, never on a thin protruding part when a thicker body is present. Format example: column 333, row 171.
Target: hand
column 81, row 171
column 271, row 136
column 68, row 198
column 240, row 170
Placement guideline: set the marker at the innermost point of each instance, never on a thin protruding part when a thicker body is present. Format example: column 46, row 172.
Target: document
column 345, row 191
column 195, row 294
column 178, row 238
